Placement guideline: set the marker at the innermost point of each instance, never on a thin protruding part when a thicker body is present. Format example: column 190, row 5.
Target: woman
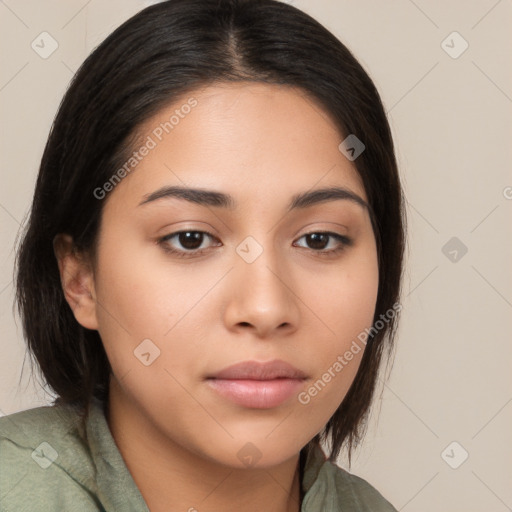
column 210, row 276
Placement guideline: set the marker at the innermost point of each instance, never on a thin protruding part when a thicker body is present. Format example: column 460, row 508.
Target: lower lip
column 257, row 394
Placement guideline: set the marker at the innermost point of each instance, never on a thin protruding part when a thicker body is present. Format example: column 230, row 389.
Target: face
column 249, row 280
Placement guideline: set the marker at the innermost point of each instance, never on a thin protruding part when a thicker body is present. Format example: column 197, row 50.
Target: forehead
column 248, row 139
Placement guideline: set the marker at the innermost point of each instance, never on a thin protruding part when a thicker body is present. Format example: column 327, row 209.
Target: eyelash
column 344, row 242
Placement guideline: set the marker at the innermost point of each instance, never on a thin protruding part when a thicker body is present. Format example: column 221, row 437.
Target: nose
column 262, row 297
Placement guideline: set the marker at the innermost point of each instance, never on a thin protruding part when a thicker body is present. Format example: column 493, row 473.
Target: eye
column 190, row 240
column 319, row 240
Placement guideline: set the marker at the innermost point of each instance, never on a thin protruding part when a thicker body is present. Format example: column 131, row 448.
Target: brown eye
column 318, row 242
column 190, row 239
column 185, row 243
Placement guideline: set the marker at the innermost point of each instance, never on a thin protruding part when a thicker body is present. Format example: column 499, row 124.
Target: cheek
column 347, row 299
column 345, row 304
column 142, row 296
column 134, row 300
column 136, row 287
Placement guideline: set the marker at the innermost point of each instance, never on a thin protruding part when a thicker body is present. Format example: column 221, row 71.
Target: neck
column 169, row 476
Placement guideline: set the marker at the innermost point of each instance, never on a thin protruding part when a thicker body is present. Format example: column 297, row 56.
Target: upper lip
column 254, row 370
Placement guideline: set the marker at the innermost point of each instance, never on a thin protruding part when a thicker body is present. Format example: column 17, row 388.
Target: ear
column 77, row 281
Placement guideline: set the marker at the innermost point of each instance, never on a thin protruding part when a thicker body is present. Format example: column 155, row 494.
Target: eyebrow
column 214, row 198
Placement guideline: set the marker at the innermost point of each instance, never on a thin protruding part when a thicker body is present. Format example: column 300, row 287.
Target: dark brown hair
column 158, row 55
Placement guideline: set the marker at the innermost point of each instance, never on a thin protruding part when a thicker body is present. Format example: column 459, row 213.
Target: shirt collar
column 116, row 489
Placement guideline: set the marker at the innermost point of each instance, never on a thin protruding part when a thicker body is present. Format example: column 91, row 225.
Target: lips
column 258, row 385
column 254, row 370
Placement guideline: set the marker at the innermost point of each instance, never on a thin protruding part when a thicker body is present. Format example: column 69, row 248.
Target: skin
column 262, row 144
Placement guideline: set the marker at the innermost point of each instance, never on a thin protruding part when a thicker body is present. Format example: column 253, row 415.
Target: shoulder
column 330, row 488
column 355, row 493
column 40, row 451
column 52, row 420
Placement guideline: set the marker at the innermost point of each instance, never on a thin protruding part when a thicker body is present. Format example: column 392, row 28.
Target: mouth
column 258, row 385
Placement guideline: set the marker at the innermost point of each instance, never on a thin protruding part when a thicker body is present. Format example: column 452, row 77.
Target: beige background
column 451, row 119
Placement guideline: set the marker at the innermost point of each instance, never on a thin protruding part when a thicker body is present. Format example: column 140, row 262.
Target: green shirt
column 46, row 464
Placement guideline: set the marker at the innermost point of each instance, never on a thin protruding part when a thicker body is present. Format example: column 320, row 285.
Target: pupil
column 190, row 239
column 315, row 237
